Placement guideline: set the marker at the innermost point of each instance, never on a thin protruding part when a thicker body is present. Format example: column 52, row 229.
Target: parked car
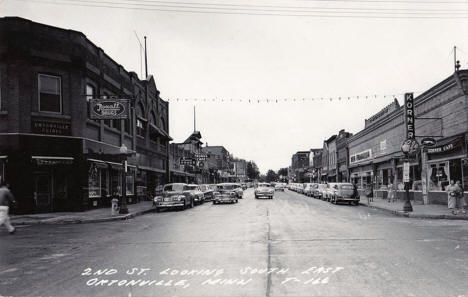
column 239, row 191
column 300, row 188
column 244, row 186
column 308, row 188
column 207, row 192
column 343, row 192
column 196, row 193
column 279, row 187
column 224, row 193
column 264, row 190
column 320, row 191
column 173, row 196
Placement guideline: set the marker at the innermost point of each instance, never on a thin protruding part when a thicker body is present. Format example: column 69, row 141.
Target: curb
column 87, row 221
column 400, row 213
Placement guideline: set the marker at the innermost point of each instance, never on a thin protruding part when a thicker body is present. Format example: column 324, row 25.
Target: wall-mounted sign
column 409, row 116
column 362, row 156
column 109, row 109
column 187, row 161
column 50, row 127
column 428, row 141
column 406, row 172
column 200, row 157
column 410, row 147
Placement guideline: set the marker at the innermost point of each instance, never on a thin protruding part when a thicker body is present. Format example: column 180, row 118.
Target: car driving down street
column 225, row 193
column 264, row 190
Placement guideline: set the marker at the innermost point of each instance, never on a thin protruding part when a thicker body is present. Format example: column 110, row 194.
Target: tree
column 252, row 170
column 283, row 172
column 271, row 176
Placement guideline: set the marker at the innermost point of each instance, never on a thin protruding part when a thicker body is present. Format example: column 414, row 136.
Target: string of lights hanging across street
column 281, row 100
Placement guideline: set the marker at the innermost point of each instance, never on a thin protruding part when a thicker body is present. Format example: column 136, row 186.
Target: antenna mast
column 146, row 61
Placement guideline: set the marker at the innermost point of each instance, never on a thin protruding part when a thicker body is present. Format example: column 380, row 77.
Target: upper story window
column 50, row 93
column 90, row 94
column 140, row 127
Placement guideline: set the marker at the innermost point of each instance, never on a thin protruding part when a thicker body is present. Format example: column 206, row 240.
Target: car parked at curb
column 279, row 187
column 174, row 196
column 207, row 192
column 196, row 193
column 320, row 191
column 343, row 192
column 308, row 189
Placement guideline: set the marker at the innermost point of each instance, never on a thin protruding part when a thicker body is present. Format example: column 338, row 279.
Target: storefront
column 105, row 182
column 446, row 161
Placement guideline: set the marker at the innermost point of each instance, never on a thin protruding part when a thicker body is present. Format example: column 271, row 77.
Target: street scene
column 291, row 245
column 274, row 148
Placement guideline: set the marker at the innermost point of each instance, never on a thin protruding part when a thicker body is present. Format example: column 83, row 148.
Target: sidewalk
column 90, row 216
column 420, row 211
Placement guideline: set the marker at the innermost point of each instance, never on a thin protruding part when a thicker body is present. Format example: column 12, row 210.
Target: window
column 128, row 124
column 116, row 124
column 50, row 95
column 438, row 178
column 108, row 123
column 130, row 188
column 90, row 94
column 94, row 182
column 140, row 125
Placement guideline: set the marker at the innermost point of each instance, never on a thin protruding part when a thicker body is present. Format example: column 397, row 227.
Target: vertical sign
column 409, row 116
column 406, row 172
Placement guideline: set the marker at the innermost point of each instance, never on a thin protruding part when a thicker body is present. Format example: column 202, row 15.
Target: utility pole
column 146, row 61
column 194, row 120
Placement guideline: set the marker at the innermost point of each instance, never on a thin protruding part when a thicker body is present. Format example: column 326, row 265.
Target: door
column 43, row 191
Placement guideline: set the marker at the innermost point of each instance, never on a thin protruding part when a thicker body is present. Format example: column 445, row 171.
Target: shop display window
column 438, row 176
column 94, row 182
column 130, row 184
column 116, row 182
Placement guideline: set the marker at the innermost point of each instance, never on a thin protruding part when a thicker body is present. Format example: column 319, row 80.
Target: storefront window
column 94, row 182
column 116, row 182
column 455, row 170
column 104, row 182
column 131, row 183
column 438, row 178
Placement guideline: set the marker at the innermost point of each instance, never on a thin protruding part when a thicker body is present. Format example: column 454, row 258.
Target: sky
column 217, row 62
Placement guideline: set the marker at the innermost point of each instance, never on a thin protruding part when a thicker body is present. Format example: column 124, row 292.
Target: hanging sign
column 409, row 116
column 428, row 141
column 406, row 172
column 109, row 109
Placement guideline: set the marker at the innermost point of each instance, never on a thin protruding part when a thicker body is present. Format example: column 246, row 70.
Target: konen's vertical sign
column 409, row 116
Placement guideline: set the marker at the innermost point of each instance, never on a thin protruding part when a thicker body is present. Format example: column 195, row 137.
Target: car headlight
column 157, row 199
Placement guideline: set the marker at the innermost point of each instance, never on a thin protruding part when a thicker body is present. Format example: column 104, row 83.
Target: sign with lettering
column 409, row 116
column 109, row 109
column 406, row 172
column 50, row 127
column 362, row 156
column 452, row 145
column 428, row 141
column 187, row 161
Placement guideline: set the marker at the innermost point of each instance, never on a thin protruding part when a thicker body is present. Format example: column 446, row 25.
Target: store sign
column 406, row 172
column 109, row 109
column 53, row 162
column 428, row 141
column 454, row 144
column 200, row 157
column 187, row 161
column 383, row 145
column 50, row 127
column 362, row 156
column 409, row 116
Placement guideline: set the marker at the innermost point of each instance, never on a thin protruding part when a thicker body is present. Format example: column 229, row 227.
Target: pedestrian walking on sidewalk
column 6, row 199
column 452, row 190
column 370, row 193
column 461, row 201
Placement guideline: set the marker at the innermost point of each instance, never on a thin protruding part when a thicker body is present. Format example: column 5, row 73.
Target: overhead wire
column 203, row 10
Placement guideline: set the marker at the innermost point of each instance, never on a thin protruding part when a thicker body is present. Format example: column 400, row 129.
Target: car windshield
column 264, row 185
column 174, row 188
column 346, row 187
column 226, row 187
column 191, row 188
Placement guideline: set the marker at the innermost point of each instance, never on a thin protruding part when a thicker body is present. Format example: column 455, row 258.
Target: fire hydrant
column 115, row 206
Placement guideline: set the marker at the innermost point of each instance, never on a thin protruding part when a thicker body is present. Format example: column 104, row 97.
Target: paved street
column 309, row 247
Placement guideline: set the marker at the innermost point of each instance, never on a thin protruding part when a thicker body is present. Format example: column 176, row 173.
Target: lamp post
column 123, row 204
column 405, row 148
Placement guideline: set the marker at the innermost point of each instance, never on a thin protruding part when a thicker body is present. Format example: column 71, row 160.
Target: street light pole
column 123, row 204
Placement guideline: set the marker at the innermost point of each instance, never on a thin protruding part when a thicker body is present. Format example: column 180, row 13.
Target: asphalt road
column 289, row 246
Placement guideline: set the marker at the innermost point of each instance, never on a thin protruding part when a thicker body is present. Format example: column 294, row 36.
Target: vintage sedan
column 320, row 191
column 279, row 187
column 207, row 192
column 343, row 192
column 196, row 193
column 264, row 190
column 225, row 193
column 173, row 196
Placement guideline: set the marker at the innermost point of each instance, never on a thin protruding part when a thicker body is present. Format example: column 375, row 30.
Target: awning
column 3, row 157
column 118, row 166
column 152, row 169
column 98, row 163
column 52, row 160
column 446, row 145
column 182, row 173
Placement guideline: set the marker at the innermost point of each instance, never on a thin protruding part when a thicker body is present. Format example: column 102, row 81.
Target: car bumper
column 168, row 204
column 347, row 199
column 224, row 200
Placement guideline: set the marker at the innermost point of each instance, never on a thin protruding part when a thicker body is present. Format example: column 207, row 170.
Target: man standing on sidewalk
column 5, row 199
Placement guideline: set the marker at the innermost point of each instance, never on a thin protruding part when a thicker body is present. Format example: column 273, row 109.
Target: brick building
column 342, row 156
column 54, row 156
column 299, row 165
column 441, row 112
